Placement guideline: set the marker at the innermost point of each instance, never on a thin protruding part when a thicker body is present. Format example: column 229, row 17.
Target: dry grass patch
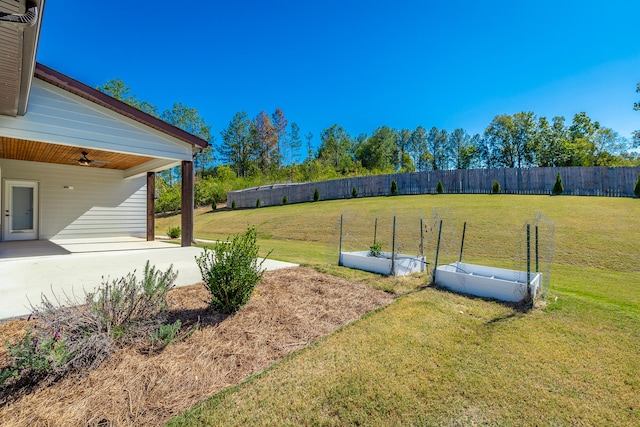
column 289, row 309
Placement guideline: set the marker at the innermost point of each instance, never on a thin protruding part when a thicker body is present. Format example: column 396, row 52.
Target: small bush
column 70, row 337
column 257, row 203
column 214, row 206
column 174, row 232
column 285, row 200
column 636, row 189
column 165, row 334
column 558, row 188
column 126, row 301
column 233, row 204
column 394, row 188
column 375, row 249
column 316, row 195
column 231, row 271
column 495, row 188
column 439, row 188
column 354, row 192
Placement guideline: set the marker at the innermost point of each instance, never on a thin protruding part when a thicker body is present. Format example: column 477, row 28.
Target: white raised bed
column 403, row 265
column 488, row 282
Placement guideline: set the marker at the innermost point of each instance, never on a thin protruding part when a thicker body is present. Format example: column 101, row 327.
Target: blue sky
column 361, row 64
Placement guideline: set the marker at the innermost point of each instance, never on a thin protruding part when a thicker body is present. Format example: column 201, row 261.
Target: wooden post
column 187, row 203
column 151, row 206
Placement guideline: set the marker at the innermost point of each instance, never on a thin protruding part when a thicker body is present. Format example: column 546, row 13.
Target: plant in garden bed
column 68, row 337
column 495, row 188
column 439, row 188
column 375, row 250
column 316, row 195
column 354, row 192
column 231, row 271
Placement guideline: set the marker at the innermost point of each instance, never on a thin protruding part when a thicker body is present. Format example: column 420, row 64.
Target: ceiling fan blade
column 100, row 163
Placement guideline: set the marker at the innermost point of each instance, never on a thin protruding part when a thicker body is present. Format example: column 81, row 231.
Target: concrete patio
column 30, row 268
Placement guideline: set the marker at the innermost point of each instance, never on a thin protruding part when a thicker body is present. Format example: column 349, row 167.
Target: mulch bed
column 289, row 309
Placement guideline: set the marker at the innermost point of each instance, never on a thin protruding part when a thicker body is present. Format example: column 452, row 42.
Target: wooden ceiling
column 18, row 149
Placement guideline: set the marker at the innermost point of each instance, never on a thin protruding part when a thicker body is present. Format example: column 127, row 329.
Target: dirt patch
column 289, row 309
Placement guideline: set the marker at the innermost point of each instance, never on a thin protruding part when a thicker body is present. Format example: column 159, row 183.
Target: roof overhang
column 20, row 23
column 80, row 89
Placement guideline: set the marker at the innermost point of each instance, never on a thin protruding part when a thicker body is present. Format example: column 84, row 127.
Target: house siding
column 101, row 204
column 57, row 116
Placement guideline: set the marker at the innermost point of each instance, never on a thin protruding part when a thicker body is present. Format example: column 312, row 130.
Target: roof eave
column 75, row 87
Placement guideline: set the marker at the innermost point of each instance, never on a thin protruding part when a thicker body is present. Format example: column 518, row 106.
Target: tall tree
column 189, row 120
column 266, row 141
column 523, row 132
column 294, row 143
column 403, row 143
column 512, row 138
column 580, row 147
column 419, row 149
column 309, row 138
column 378, row 152
column 280, row 124
column 117, row 89
column 636, row 134
column 336, row 149
column 461, row 151
column 608, row 146
column 437, row 144
column 238, row 148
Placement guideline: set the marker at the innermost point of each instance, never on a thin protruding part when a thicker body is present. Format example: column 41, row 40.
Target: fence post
column 340, row 247
column 375, row 231
column 529, row 259
column 421, row 238
column 435, row 266
column 393, row 247
column 464, row 229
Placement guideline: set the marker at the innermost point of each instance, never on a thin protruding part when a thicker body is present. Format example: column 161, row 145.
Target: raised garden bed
column 382, row 264
column 489, row 282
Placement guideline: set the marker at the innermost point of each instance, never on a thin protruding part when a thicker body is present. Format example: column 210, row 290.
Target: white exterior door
column 20, row 220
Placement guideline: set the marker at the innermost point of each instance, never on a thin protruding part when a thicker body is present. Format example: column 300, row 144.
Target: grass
column 437, row 358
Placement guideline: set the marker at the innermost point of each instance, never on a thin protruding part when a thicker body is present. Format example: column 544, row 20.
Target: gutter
column 26, row 20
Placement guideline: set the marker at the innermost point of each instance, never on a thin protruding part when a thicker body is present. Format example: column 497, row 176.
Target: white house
column 74, row 162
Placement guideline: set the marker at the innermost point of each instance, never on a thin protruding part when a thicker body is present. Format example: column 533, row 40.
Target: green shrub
column 354, row 192
column 439, row 188
column 394, row 188
column 316, row 195
column 173, row 232
column 257, row 203
column 73, row 337
column 375, row 249
column 214, row 206
column 165, row 334
column 285, row 200
column 558, row 188
column 125, row 301
column 233, row 204
column 231, row 271
column 36, row 355
column 495, row 188
column 636, row 189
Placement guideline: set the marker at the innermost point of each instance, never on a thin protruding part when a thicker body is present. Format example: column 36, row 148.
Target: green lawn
column 437, row 358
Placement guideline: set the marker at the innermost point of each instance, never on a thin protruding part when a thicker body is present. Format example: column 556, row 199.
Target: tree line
column 268, row 148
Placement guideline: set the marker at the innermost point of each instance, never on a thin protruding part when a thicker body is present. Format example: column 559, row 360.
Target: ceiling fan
column 85, row 161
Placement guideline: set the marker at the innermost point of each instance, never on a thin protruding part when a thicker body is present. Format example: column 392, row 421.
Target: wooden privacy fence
column 577, row 181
